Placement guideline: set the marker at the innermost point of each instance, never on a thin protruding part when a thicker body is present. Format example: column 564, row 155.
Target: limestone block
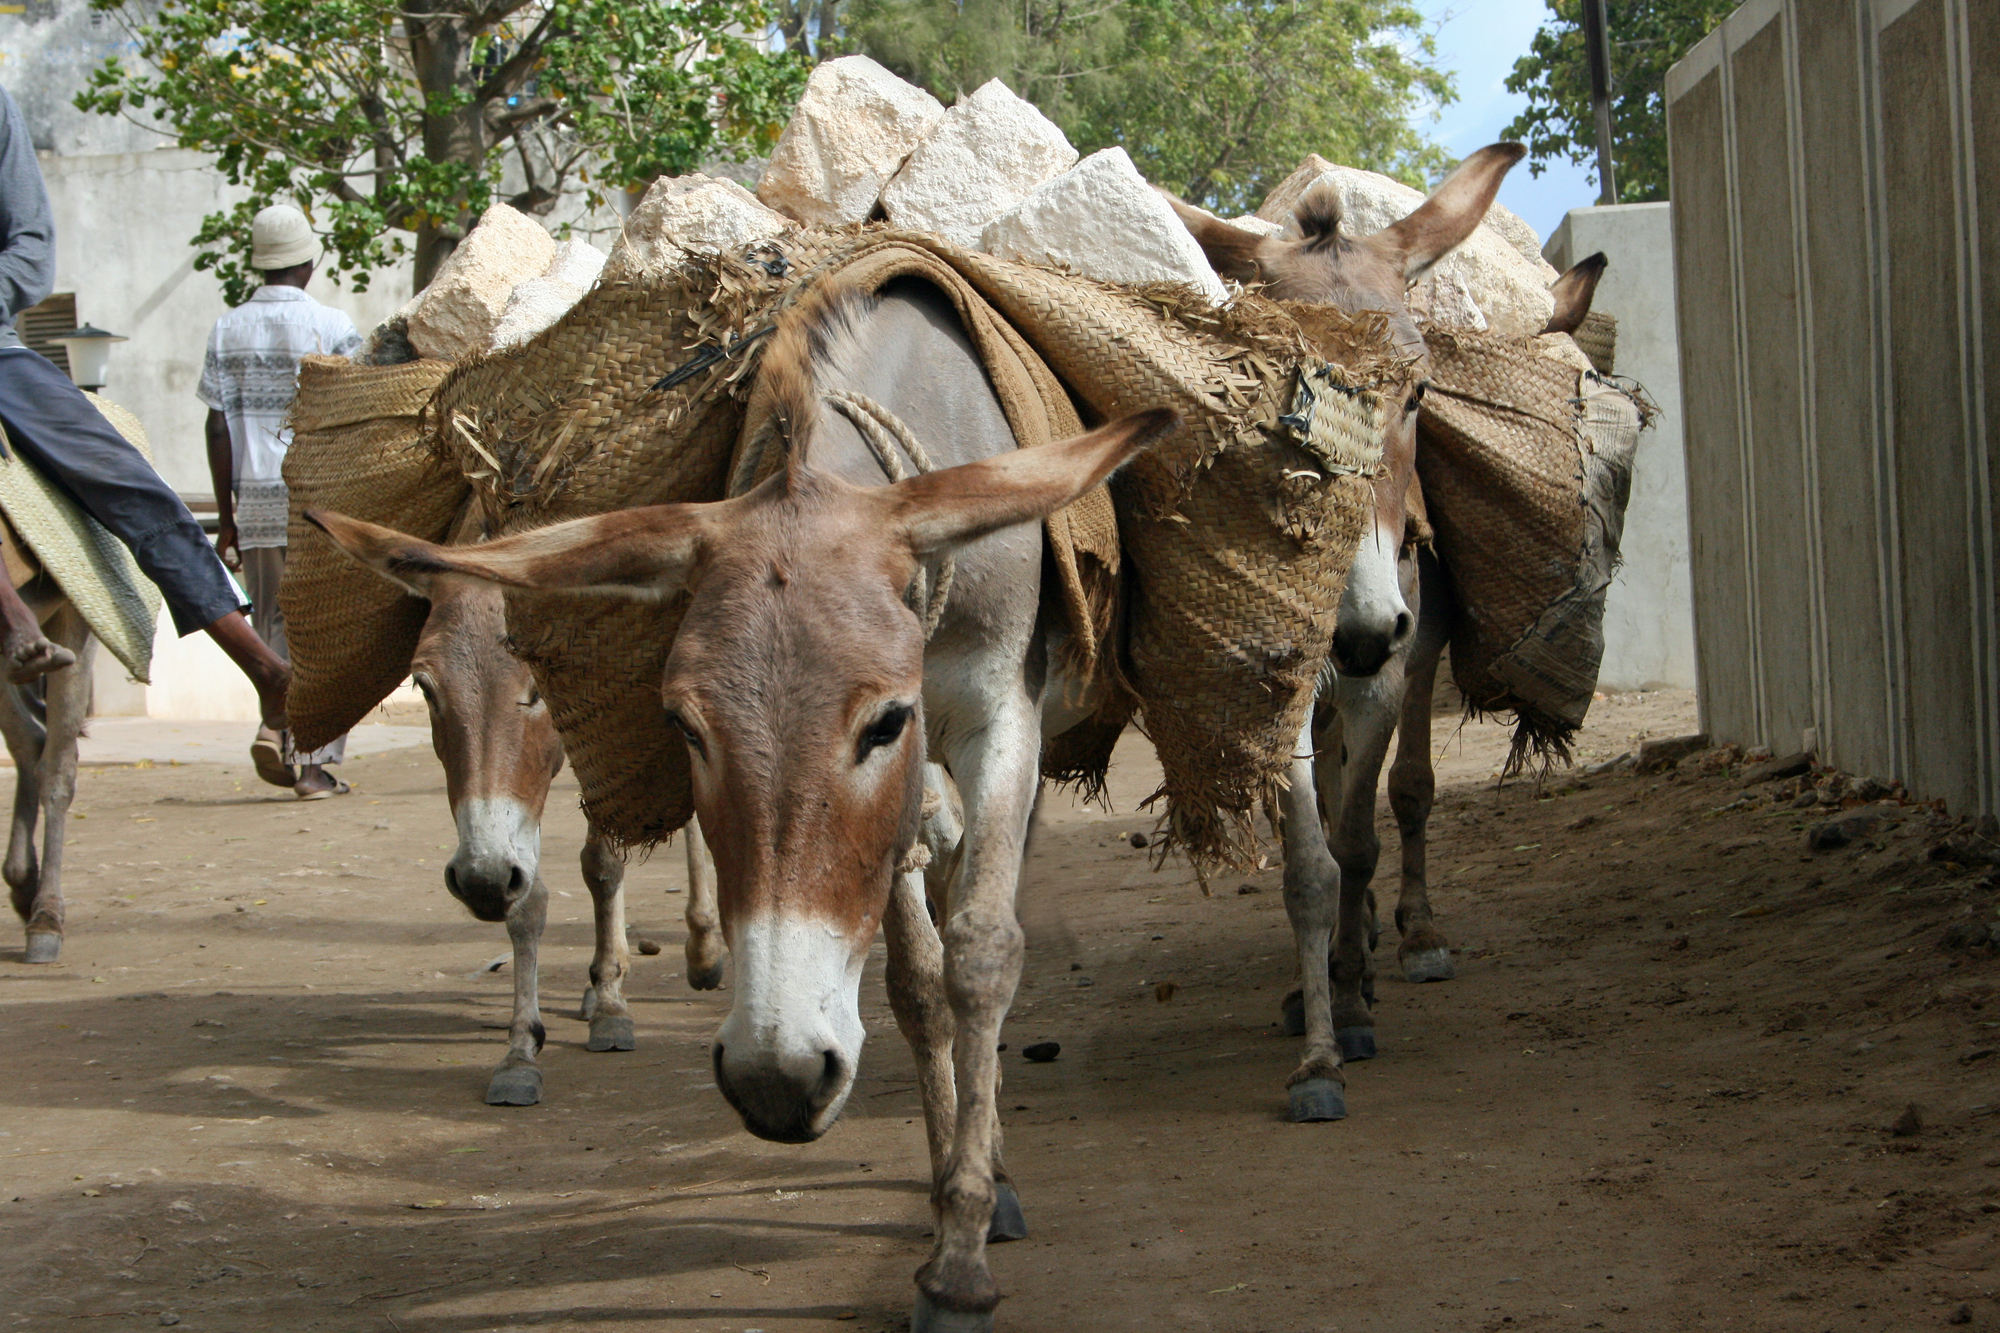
column 980, row 160
column 1101, row 219
column 1251, row 222
column 852, row 130
column 463, row 304
column 534, row 306
column 683, row 215
column 1487, row 282
column 577, row 263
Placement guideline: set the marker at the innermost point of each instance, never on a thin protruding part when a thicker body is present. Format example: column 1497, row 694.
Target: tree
column 394, row 123
column 1647, row 36
column 1218, row 99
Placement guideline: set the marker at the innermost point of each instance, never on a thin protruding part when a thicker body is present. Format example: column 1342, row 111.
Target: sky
column 1479, row 41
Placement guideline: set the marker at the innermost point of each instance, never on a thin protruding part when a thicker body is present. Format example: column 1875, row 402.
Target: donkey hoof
column 1008, row 1223
column 705, row 978
column 611, row 1032
column 931, row 1318
column 1429, row 965
column 586, row 1008
column 1295, row 1015
column 1368, row 990
column 43, row 946
column 517, row 1085
column 1355, row 1043
column 1317, row 1099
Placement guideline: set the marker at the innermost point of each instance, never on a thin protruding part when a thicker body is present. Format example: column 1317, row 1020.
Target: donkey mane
column 1318, row 218
column 805, row 341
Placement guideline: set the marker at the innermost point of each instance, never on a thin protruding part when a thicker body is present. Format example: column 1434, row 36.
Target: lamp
column 89, row 351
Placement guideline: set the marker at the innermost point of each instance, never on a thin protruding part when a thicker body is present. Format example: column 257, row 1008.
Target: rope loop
column 883, row 431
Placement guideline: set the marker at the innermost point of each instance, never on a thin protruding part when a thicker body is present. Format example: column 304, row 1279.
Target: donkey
column 809, row 698
column 41, row 723
column 500, row 752
column 1392, row 625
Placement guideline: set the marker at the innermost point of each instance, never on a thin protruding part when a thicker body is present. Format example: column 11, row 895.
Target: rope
column 883, row 430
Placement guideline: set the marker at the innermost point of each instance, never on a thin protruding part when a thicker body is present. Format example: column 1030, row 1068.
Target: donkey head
column 493, row 734
column 1314, row 260
column 797, row 680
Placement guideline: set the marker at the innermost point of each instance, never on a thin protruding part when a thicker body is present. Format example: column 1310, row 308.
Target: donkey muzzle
column 786, row 1056
column 498, row 856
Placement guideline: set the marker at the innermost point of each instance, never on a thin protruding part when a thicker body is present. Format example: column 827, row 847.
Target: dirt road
column 1660, row 1095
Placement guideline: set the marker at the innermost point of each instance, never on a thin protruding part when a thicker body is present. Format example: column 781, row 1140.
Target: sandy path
column 249, row 1096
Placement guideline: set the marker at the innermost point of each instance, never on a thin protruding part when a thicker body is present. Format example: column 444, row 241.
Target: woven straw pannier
column 1244, row 534
column 357, row 448
column 1526, row 465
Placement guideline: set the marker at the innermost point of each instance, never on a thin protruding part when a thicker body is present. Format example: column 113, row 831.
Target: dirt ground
column 1659, row 1096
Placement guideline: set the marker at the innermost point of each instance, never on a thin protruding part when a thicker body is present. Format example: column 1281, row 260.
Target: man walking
column 52, row 427
column 248, row 380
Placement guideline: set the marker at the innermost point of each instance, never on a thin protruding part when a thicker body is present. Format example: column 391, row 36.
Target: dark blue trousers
column 54, row 429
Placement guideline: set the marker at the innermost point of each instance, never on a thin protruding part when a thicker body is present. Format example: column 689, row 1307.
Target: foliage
column 1647, row 36
column 1218, row 99
column 393, row 124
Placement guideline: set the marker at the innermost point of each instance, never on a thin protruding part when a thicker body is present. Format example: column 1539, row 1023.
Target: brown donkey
column 810, row 698
column 1394, row 622
column 500, row 752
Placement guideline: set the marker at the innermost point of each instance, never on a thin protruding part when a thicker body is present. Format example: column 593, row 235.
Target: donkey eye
column 882, row 731
column 534, row 698
column 1416, row 398
column 692, row 736
column 424, row 687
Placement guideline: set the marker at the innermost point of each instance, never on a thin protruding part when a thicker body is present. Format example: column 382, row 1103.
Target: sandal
column 338, row 788
column 267, row 752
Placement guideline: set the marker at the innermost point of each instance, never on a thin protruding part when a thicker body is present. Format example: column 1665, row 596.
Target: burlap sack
column 357, row 448
column 638, row 395
column 1526, row 466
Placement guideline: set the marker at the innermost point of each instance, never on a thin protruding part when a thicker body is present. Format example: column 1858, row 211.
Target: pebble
column 649, row 947
column 1139, row 840
column 1042, row 1051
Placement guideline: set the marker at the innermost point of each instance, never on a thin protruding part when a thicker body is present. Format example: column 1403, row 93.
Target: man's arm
column 222, row 475
column 27, row 224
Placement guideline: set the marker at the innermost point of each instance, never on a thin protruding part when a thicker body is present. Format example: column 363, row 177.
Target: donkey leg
column 923, row 1014
column 1316, row 1089
column 23, row 867
column 68, row 703
column 996, row 767
column 518, row 1080
column 1368, row 719
column 705, row 947
column 1425, row 953
column 604, row 1003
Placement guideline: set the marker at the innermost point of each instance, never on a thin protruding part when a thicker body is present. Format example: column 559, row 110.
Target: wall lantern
column 89, row 354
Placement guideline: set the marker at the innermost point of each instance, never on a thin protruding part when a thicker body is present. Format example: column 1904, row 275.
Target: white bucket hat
column 280, row 237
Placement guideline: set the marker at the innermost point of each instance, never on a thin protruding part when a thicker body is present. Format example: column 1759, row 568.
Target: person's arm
column 222, row 474
column 27, row 224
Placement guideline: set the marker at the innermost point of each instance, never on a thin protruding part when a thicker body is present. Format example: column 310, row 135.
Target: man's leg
column 28, row 652
column 53, row 427
column 263, row 571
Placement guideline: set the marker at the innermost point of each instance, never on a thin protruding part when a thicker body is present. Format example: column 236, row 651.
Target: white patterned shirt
column 251, row 375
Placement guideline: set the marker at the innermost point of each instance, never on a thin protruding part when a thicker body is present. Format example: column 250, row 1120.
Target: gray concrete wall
column 1648, row 614
column 1836, row 184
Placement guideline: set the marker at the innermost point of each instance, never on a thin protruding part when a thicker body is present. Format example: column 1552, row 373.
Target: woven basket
column 1240, row 535
column 357, row 448
column 1598, row 339
column 1526, row 466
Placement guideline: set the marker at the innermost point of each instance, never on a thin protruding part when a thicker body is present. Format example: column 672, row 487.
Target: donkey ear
column 643, row 554
column 944, row 509
column 1231, row 251
column 1454, row 210
column 1574, row 292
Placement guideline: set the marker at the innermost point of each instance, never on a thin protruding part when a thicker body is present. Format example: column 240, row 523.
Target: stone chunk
column 1102, row 220
column 852, row 130
column 1663, row 753
column 462, row 306
column 1251, row 222
column 981, row 159
column 1497, row 279
column 538, row 303
column 684, row 215
column 1773, row 769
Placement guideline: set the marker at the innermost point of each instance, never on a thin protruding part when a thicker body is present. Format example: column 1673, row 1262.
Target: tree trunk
column 441, row 55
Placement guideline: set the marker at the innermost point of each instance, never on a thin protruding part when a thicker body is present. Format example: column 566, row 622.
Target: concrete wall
column 1649, row 613
column 1836, row 184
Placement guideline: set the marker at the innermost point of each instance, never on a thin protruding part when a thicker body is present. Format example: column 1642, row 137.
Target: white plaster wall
column 1648, row 614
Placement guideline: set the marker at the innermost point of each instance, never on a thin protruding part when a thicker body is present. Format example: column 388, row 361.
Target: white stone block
column 1101, row 219
column 684, row 215
column 534, row 306
column 462, row 306
column 1251, row 222
column 577, row 263
column 852, row 130
column 1487, row 282
column 986, row 154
